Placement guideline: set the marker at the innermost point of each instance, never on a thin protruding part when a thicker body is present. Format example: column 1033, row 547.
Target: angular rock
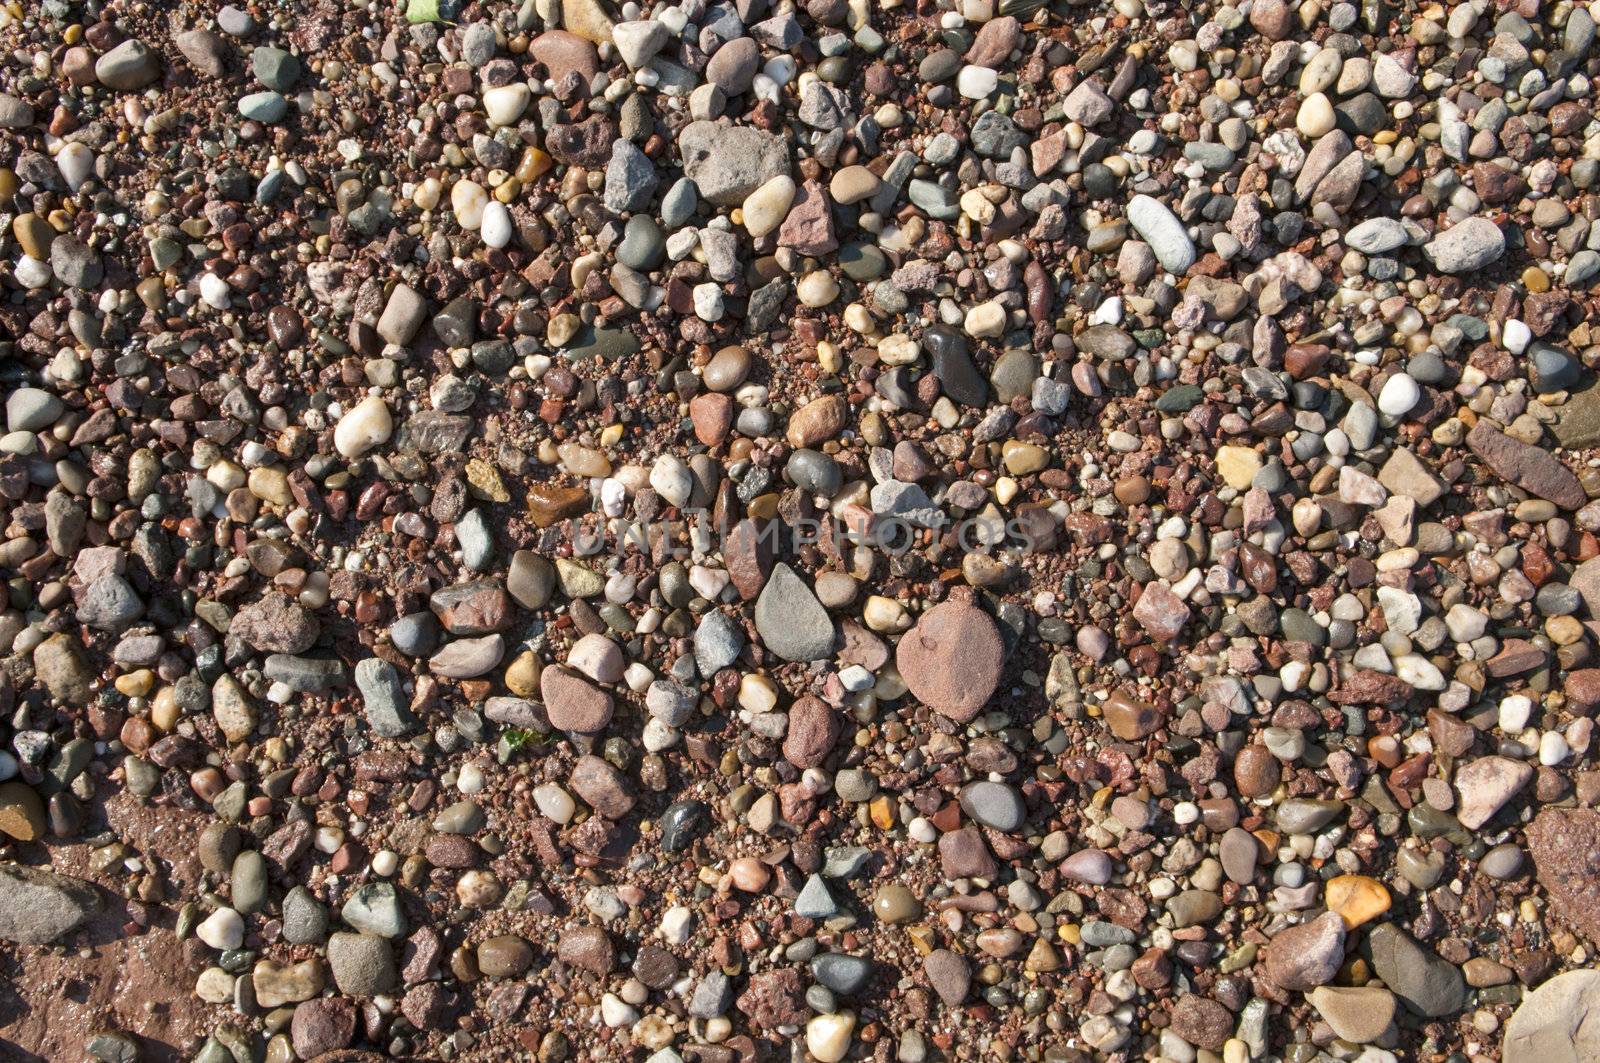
column 1534, row 469
column 791, row 621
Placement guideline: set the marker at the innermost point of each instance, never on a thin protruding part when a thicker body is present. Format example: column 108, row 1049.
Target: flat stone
column 15, row 113
column 375, row 909
column 587, row 19
column 1406, row 474
column 383, row 698
column 814, row 729
column 468, row 658
column 277, row 984
column 1376, row 236
column 791, row 621
column 842, row 973
column 1559, row 1022
column 362, row 964
column 21, row 812
column 110, row 604
column 276, row 623
column 1160, row 612
column 1466, row 247
column 128, row 67
column 963, row 854
column 638, row 42
column 631, row 178
column 1485, row 785
column 31, row 409
column 1359, row 1015
column 1425, row 982
column 205, row 51
column 321, row 1026
column 1305, row 956
column 1565, row 846
column 63, row 667
column 564, row 53
column 38, row 907
column 717, row 642
column 602, row 787
column 1202, row 1022
column 995, row 805
column 1534, row 469
column 727, row 163
column 587, row 948
column 573, row 703
column 952, row 659
column 949, row 974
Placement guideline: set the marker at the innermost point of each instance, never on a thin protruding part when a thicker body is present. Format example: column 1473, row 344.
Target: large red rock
column 562, row 53
column 1565, row 845
column 574, row 704
column 952, row 659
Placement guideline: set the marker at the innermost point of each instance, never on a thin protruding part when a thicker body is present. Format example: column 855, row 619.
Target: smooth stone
column 1161, row 229
column 1426, row 983
column 791, row 621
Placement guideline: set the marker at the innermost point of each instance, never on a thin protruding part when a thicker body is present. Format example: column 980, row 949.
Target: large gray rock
column 131, row 65
column 792, row 622
column 363, row 965
column 727, row 163
column 38, row 907
column 1424, row 981
column 1557, row 1023
column 384, row 698
column 1471, row 245
column 717, row 642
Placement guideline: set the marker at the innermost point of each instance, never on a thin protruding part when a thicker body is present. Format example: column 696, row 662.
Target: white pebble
column 223, row 929
column 467, row 200
column 1552, row 749
column 616, row 1012
column 76, row 163
column 1514, row 713
column 828, row 1036
column 708, row 301
column 554, row 803
column 1399, row 396
column 671, row 479
column 766, row 207
column 364, row 427
column 1316, row 116
column 986, row 320
column 504, row 104
column 977, row 82
column 214, row 290
column 1515, row 336
column 817, row 289
column 496, row 224
column 677, row 924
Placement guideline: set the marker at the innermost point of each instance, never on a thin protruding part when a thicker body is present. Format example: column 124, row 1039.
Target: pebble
column 367, row 425
column 1466, row 247
column 952, row 659
column 791, row 621
column 1165, row 234
column 766, row 207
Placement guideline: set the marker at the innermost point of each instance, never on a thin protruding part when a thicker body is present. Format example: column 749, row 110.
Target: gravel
column 724, row 531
